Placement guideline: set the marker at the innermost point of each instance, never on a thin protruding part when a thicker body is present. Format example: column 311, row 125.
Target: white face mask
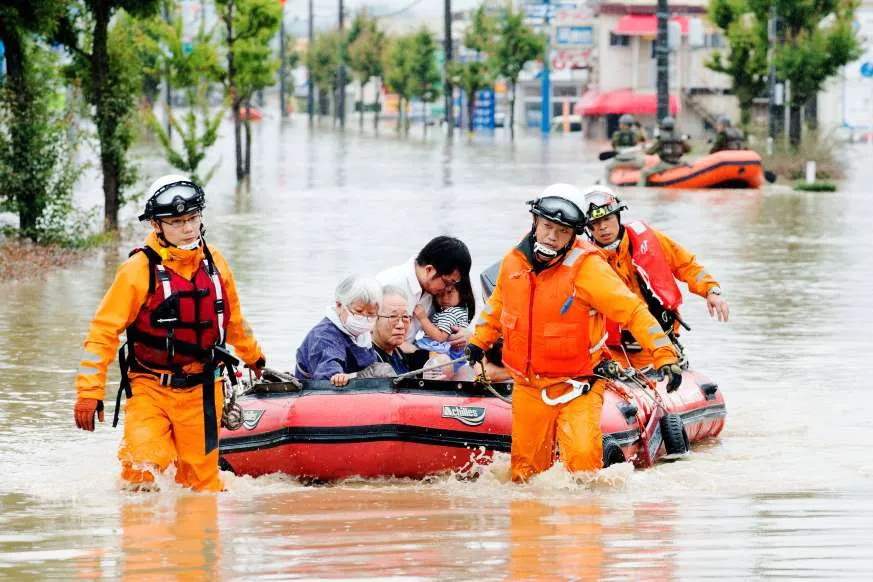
column 190, row 247
column 544, row 250
column 359, row 324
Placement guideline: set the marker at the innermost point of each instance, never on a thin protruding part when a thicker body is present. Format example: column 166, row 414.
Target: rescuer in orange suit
column 176, row 300
column 552, row 294
column 649, row 262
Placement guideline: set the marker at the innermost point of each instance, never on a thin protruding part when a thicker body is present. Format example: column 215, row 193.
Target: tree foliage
column 191, row 68
column 746, row 63
column 323, row 60
column 37, row 167
column 398, row 72
column 474, row 75
column 104, row 62
column 365, row 53
column 248, row 26
column 424, row 74
column 516, row 45
column 818, row 39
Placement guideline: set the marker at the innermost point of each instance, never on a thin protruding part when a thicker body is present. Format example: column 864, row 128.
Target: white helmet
column 600, row 201
column 566, row 191
column 173, row 195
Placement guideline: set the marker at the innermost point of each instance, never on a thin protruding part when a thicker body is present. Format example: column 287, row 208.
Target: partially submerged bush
column 790, row 162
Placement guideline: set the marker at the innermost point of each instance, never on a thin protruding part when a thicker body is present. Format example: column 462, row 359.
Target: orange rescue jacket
column 552, row 322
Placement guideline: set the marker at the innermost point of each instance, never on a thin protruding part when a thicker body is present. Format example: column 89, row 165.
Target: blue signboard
column 867, row 69
column 574, row 35
column 484, row 110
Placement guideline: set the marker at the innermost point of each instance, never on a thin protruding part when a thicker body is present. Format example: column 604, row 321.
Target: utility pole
column 447, row 50
column 282, row 67
column 774, row 125
column 310, row 85
column 662, row 50
column 169, row 97
column 341, row 104
column 546, row 85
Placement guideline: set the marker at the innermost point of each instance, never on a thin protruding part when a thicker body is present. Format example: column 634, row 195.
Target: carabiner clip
column 577, row 389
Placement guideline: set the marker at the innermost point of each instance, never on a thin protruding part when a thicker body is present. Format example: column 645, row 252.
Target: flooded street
column 786, row 491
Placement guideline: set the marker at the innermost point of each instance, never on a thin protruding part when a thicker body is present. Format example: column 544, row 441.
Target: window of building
column 559, row 91
column 618, row 39
column 714, row 40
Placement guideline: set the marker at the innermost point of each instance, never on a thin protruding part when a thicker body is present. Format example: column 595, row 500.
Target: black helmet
column 601, row 201
column 668, row 123
column 173, row 195
column 560, row 210
column 627, row 119
column 723, row 120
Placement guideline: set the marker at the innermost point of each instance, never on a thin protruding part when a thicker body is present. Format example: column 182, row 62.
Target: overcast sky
column 326, row 11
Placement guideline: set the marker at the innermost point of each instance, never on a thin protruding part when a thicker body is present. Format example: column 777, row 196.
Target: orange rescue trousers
column 537, row 425
column 164, row 426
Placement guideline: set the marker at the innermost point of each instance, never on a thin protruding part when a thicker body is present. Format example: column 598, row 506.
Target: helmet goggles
column 559, row 210
column 174, row 199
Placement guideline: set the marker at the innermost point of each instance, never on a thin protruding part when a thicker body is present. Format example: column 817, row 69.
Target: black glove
column 474, row 354
column 673, row 374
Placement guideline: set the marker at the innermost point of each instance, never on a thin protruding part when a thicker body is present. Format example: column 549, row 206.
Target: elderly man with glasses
column 392, row 325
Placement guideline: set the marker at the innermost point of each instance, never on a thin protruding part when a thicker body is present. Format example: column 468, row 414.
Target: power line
column 400, row 11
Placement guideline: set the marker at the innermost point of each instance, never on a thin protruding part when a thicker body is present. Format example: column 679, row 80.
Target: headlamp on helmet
column 602, row 202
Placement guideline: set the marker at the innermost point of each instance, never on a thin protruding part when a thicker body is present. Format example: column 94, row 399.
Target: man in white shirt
column 440, row 265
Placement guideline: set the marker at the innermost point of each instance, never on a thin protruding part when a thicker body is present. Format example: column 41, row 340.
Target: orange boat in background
column 725, row 169
column 250, row 113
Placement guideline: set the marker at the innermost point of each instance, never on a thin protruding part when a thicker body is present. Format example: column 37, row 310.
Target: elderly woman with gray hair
column 340, row 345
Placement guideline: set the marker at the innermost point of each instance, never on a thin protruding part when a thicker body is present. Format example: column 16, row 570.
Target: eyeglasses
column 181, row 222
column 405, row 318
column 449, row 283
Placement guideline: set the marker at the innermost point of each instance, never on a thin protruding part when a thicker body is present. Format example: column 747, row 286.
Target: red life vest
column 655, row 277
column 181, row 319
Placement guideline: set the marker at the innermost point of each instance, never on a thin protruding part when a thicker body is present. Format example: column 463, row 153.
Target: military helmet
column 668, row 123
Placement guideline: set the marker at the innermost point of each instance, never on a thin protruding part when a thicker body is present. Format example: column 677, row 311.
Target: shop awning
column 621, row 101
column 645, row 25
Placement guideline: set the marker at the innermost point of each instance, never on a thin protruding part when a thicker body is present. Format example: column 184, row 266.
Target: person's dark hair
column 446, row 254
column 467, row 299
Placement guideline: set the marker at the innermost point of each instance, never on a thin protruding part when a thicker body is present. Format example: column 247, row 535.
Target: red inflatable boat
column 416, row 428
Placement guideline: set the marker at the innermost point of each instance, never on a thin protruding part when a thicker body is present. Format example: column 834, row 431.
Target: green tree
column 104, row 62
column 398, row 75
column 248, row 27
column 27, row 154
column 322, row 60
column 474, row 75
column 517, row 44
column 191, row 68
column 746, row 63
column 819, row 40
column 365, row 54
column 424, row 74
